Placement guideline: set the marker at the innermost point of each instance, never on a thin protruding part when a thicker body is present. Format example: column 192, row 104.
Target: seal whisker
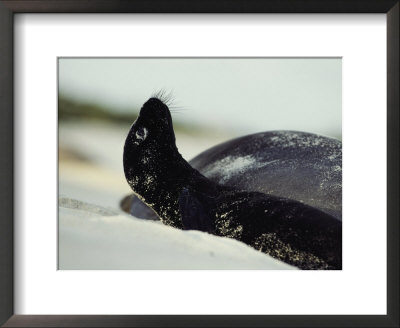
column 165, row 96
column 178, row 109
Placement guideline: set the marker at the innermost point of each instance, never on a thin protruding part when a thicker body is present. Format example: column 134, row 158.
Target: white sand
column 95, row 234
column 92, row 237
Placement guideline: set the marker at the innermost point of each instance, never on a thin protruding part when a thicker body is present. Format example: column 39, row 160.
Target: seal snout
column 154, row 102
column 156, row 117
column 153, row 105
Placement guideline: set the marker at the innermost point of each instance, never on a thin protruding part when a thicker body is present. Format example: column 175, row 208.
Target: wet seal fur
column 182, row 197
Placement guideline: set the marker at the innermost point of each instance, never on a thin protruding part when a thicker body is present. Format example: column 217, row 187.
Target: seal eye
column 141, row 133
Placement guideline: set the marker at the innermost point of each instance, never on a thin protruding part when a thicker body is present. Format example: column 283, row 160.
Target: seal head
column 153, row 167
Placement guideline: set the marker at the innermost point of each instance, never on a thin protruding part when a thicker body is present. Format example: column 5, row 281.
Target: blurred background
column 213, row 100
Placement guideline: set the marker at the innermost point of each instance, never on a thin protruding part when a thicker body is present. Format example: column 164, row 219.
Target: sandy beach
column 95, row 234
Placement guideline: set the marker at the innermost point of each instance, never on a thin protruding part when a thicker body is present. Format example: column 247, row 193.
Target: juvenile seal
column 184, row 198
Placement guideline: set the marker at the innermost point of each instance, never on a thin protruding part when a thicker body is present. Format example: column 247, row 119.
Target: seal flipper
column 193, row 213
column 133, row 205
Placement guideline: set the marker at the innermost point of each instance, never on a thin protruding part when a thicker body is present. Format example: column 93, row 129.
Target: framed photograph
column 166, row 164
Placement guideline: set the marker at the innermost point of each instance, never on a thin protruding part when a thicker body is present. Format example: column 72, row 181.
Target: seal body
column 301, row 166
column 293, row 231
column 297, row 165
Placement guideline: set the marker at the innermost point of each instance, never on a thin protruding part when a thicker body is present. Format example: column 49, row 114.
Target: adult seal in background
column 287, row 229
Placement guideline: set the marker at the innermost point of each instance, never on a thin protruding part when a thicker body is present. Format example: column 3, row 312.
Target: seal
column 302, row 166
column 182, row 197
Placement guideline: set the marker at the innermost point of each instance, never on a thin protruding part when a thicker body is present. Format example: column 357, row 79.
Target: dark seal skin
column 298, row 165
column 182, row 197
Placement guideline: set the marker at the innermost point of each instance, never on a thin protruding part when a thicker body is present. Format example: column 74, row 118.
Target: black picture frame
column 10, row 7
